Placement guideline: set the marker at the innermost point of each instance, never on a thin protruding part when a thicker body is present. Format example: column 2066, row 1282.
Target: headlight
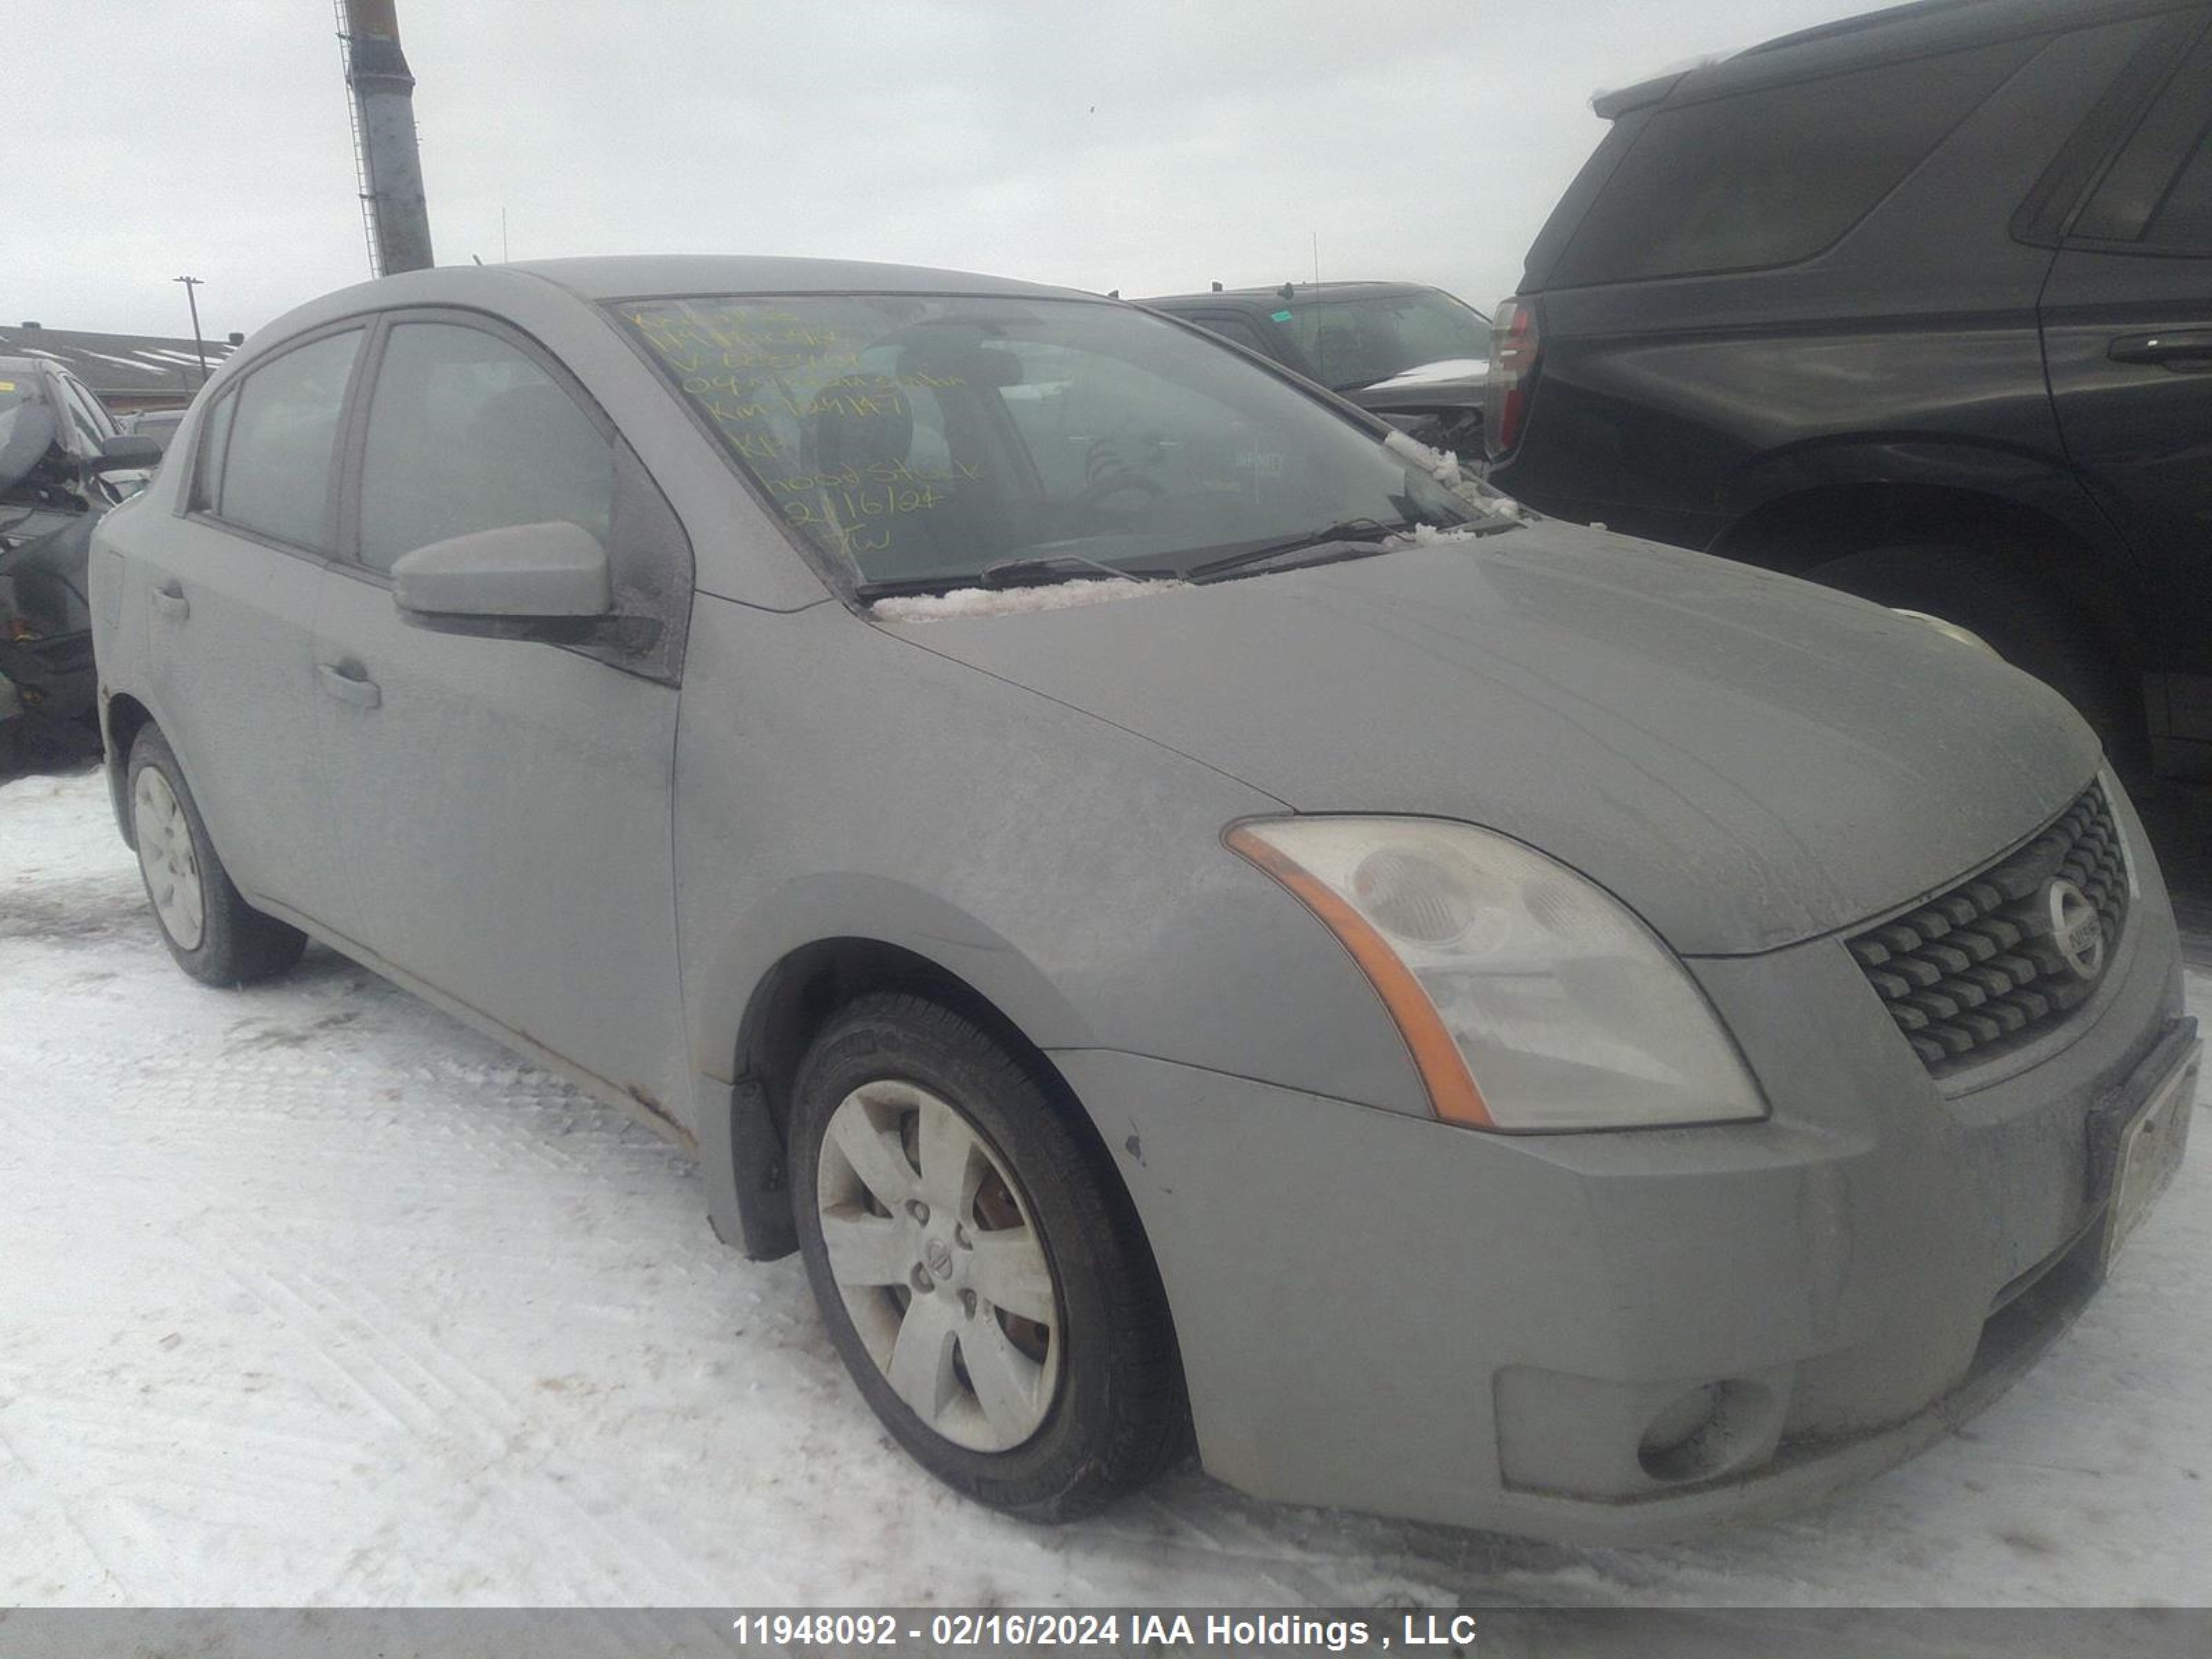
column 1531, row 998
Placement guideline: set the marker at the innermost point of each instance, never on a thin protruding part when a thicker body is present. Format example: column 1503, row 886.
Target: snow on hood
column 1010, row 601
column 1444, row 368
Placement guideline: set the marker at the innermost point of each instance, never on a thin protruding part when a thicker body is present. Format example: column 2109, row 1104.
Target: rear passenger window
column 469, row 433
column 215, row 443
column 2157, row 193
column 282, row 431
column 2183, row 223
column 1771, row 177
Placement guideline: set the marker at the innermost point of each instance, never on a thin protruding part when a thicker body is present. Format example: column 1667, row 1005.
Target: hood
column 1745, row 759
column 1417, row 395
column 1444, row 369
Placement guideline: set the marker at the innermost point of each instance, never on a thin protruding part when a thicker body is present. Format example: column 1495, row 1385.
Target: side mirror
column 531, row 582
column 125, row 452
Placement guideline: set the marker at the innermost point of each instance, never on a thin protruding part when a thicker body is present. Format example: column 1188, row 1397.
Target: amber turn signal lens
column 1452, row 1093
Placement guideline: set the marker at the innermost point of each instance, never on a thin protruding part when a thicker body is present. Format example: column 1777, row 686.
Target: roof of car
column 615, row 277
column 633, row 276
column 638, row 276
column 1308, row 292
column 1908, row 31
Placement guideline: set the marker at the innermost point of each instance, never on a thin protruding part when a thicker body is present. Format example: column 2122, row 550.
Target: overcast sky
column 1147, row 147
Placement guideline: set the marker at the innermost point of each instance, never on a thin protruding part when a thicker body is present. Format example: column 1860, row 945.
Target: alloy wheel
column 166, row 855
column 938, row 1261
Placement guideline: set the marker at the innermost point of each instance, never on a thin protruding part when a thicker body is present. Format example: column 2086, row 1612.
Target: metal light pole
column 193, row 300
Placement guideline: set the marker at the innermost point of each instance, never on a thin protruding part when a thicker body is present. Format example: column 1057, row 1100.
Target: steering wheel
column 1094, row 494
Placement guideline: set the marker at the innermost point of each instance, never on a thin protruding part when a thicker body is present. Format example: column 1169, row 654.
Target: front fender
column 2020, row 474
column 834, row 781
column 855, row 905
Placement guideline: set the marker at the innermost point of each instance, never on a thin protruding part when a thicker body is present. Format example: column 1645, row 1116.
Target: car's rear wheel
column 216, row 936
column 2026, row 625
column 982, row 1282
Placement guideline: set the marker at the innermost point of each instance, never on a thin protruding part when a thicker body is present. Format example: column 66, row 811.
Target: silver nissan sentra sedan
column 1200, row 920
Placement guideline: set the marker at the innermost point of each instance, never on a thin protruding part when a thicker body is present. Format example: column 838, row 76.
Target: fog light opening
column 1705, row 1433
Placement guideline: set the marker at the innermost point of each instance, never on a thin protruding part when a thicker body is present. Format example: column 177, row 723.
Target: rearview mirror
column 530, row 581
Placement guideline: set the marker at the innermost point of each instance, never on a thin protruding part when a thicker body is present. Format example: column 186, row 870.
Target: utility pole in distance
column 192, row 299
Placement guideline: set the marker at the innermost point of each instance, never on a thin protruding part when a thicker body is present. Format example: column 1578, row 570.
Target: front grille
column 1976, row 970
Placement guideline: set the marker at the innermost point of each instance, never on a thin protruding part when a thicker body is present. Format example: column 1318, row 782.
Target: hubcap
column 938, row 1262
column 172, row 868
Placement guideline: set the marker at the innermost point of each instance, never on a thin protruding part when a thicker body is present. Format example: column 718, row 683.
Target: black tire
column 238, row 944
column 2026, row 625
column 1118, row 1418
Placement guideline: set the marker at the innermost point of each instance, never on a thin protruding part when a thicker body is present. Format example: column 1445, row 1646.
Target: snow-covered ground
column 307, row 1295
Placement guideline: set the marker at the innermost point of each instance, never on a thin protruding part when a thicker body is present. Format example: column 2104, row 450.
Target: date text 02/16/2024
column 1001, row 1629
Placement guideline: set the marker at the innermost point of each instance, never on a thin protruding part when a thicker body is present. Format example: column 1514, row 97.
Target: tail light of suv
column 1513, row 348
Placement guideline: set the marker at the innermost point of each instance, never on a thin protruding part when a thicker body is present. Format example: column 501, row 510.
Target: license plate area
column 2148, row 1151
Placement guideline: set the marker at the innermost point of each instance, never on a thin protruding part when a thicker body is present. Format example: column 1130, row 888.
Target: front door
column 503, row 806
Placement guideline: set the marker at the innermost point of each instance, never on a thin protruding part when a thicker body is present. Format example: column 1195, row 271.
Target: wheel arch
column 1800, row 532
column 802, row 957
column 122, row 718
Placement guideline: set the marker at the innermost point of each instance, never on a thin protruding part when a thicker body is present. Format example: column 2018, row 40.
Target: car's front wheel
column 216, row 936
column 983, row 1282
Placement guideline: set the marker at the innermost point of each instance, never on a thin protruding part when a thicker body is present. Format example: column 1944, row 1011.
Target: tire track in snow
column 28, row 1495
column 437, row 1399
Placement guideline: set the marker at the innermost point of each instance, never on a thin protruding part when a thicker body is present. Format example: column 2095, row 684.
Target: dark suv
column 1414, row 354
column 1918, row 305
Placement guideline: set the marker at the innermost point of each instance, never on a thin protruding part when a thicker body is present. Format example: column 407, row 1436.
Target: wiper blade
column 1053, row 566
column 1006, row 573
column 1355, row 533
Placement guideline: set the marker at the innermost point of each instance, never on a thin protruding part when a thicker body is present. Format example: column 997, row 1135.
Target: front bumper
column 1394, row 1314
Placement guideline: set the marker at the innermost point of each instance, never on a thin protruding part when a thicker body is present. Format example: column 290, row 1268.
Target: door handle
column 2176, row 348
column 169, row 599
column 354, row 687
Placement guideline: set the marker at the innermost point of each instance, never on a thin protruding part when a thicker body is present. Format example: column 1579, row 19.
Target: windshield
column 18, row 387
column 1356, row 343
column 929, row 438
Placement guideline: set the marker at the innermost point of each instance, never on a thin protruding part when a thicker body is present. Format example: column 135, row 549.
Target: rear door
column 228, row 594
column 2127, row 322
column 502, row 805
